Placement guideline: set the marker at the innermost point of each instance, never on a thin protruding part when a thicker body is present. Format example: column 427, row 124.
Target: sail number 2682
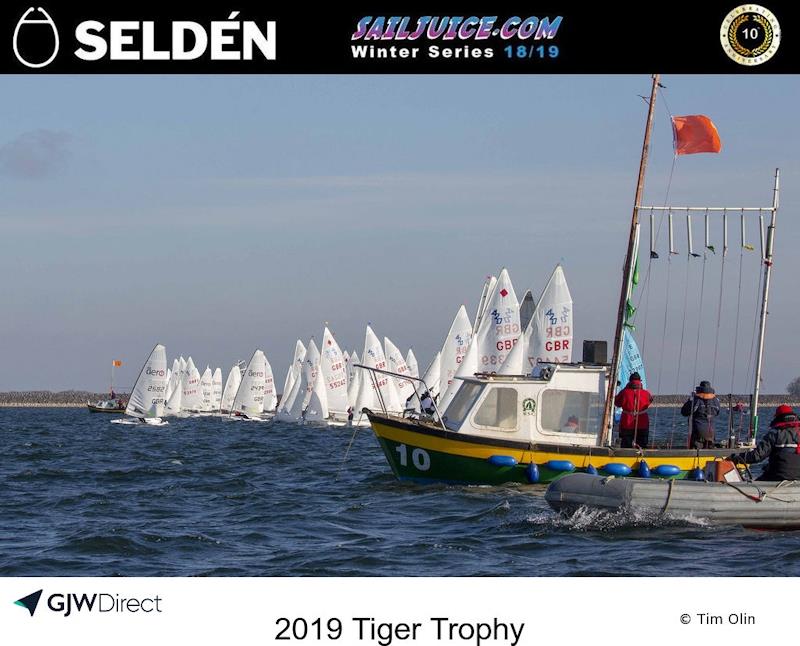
column 419, row 458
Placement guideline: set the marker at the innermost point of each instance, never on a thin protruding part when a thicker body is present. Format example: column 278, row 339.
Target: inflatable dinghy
column 757, row 505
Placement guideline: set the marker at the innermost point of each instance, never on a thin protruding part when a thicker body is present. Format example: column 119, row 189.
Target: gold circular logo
column 750, row 34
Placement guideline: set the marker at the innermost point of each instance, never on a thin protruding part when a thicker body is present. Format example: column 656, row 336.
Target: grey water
column 80, row 496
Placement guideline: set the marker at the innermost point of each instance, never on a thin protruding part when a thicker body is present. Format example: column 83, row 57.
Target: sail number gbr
column 419, row 457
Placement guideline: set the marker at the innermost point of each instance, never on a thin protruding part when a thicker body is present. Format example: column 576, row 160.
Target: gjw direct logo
column 36, row 41
column 103, row 602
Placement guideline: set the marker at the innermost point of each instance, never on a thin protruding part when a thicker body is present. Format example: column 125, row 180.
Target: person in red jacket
column 634, row 425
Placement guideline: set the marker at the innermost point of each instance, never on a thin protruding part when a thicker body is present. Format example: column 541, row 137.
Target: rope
column 700, row 317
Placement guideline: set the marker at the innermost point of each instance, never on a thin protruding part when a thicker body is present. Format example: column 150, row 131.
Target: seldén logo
column 103, row 602
column 30, row 602
column 36, row 40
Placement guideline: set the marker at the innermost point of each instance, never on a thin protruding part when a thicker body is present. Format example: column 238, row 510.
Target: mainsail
column 216, row 389
column 249, row 400
column 147, row 396
column 495, row 336
column 411, row 362
column 453, row 351
column 394, row 359
column 548, row 336
column 191, row 387
column 334, row 374
column 207, row 391
column 270, row 398
column 368, row 396
column 231, row 386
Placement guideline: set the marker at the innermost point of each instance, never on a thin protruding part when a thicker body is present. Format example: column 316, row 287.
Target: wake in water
column 586, row 519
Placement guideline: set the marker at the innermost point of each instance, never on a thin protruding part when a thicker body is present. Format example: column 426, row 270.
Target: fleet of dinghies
column 327, row 386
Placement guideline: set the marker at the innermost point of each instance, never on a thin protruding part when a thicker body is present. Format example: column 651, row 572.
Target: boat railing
column 414, row 381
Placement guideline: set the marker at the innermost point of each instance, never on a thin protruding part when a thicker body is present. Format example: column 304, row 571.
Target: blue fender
column 503, row 461
column 532, row 473
column 666, row 470
column 560, row 465
column 697, row 474
column 616, row 469
column 644, row 469
column 591, row 470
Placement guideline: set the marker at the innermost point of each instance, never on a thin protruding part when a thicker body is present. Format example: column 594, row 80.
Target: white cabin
column 560, row 404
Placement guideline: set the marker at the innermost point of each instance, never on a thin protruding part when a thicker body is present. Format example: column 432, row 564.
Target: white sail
column 348, row 369
column 231, row 386
column 354, row 382
column 206, row 391
column 292, row 373
column 169, row 385
column 454, row 349
column 287, row 410
column 411, row 362
column 147, row 396
column 216, row 389
column 548, row 337
column 249, row 400
column 317, row 409
column 311, row 368
column 374, row 357
column 494, row 338
column 191, row 387
column 488, row 287
column 298, row 403
column 182, row 363
column 334, row 374
column 396, row 363
column 175, row 400
column 432, row 374
column 270, row 397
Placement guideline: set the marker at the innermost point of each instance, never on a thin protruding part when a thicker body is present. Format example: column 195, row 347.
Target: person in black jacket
column 702, row 409
column 781, row 446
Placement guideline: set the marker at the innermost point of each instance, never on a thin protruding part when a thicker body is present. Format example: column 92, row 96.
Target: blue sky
column 217, row 214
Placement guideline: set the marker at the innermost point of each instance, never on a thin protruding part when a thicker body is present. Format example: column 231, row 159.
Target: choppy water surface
column 203, row 496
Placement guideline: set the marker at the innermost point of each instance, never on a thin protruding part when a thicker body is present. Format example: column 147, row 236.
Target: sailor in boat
column 634, row 425
column 426, row 404
column 572, row 425
column 780, row 446
column 702, row 409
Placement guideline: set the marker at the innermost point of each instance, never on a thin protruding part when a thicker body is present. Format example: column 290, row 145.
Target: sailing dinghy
column 248, row 403
column 146, row 403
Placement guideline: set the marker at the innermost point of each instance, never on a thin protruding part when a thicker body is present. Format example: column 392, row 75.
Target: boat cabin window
column 498, row 409
column 462, row 403
column 567, row 411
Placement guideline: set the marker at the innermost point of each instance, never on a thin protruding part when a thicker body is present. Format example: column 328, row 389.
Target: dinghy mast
column 608, row 418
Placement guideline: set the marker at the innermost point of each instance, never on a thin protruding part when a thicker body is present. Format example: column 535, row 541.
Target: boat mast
column 762, row 323
column 629, row 266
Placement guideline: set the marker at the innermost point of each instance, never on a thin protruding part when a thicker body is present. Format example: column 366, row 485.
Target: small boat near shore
column 107, row 406
column 755, row 505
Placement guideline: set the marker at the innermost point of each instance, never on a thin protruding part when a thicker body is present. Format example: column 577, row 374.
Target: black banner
column 391, row 38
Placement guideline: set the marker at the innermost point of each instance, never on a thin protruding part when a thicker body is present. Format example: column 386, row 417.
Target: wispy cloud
column 35, row 154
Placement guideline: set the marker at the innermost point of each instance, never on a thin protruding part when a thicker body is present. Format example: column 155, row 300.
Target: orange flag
column 116, row 363
column 695, row 133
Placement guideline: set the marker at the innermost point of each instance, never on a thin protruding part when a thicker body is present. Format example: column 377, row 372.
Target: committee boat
column 558, row 418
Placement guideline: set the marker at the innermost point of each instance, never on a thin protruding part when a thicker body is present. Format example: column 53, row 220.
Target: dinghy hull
column 757, row 505
column 421, row 451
